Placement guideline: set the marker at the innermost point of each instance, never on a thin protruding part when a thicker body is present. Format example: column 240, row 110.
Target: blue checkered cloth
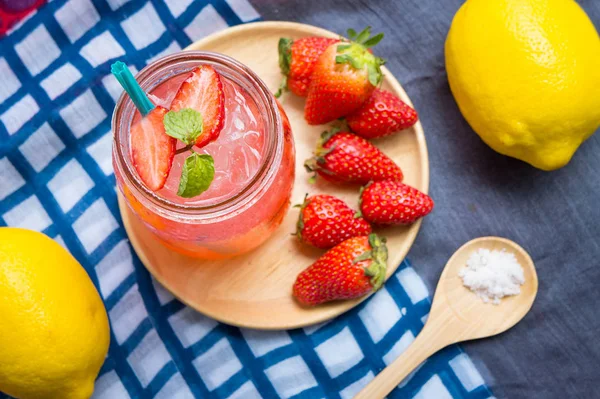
column 56, row 100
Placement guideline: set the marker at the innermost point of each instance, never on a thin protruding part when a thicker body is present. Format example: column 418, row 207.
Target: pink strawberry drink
column 237, row 153
column 245, row 133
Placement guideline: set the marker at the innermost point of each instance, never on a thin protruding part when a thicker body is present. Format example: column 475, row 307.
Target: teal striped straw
column 131, row 87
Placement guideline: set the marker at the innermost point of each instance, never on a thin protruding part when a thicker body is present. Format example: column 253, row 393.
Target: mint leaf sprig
column 197, row 174
column 198, row 170
column 184, row 125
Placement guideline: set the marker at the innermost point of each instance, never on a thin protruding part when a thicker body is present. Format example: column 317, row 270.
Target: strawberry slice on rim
column 203, row 91
column 152, row 150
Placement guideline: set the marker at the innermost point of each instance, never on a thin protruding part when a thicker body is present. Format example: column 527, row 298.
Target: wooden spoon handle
column 431, row 339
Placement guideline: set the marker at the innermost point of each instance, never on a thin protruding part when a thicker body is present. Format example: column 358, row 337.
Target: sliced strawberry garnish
column 151, row 149
column 203, row 91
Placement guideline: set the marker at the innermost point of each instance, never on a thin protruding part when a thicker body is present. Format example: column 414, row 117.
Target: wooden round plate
column 254, row 290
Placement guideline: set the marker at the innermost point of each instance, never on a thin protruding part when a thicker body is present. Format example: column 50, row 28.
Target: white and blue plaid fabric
column 56, row 101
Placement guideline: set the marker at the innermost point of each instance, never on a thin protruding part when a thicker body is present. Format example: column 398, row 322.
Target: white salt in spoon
column 457, row 314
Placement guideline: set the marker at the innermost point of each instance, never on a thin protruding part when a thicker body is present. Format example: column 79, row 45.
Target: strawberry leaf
column 351, row 33
column 184, row 125
column 348, row 59
column 364, row 256
column 283, row 87
column 327, row 135
column 197, row 174
column 285, row 54
column 374, row 74
column 364, row 35
column 373, row 41
column 311, row 165
column 357, row 55
column 377, row 269
column 300, row 222
column 285, row 60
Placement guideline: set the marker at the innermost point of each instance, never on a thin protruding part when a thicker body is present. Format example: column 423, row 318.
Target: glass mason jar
column 243, row 220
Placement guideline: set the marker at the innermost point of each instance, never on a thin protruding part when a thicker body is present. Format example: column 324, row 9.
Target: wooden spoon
column 457, row 314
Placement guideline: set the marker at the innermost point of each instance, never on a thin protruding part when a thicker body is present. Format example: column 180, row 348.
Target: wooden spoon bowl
column 476, row 318
column 457, row 314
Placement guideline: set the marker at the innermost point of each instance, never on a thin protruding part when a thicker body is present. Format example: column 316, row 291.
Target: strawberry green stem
column 285, row 54
column 357, row 55
column 131, row 87
column 300, row 222
column 360, row 195
column 378, row 266
column 282, row 87
column 285, row 60
column 327, row 135
column 312, row 166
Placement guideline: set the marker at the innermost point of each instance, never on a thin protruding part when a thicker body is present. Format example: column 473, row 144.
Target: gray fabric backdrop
column 554, row 352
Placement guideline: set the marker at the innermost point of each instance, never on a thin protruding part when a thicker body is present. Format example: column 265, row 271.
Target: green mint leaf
column 197, row 174
column 184, row 125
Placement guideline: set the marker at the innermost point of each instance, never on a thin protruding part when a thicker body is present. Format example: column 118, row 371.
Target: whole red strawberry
column 297, row 59
column 381, row 115
column 343, row 78
column 346, row 158
column 326, row 221
column 349, row 270
column 391, row 202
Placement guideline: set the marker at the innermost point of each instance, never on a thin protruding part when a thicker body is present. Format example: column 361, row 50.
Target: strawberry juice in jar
column 253, row 156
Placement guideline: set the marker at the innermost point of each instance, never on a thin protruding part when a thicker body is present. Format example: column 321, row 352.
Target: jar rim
column 273, row 126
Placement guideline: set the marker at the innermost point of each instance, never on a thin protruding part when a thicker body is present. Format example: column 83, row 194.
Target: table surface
column 553, row 352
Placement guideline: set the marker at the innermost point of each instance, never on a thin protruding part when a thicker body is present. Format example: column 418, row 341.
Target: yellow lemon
column 54, row 332
column 526, row 76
